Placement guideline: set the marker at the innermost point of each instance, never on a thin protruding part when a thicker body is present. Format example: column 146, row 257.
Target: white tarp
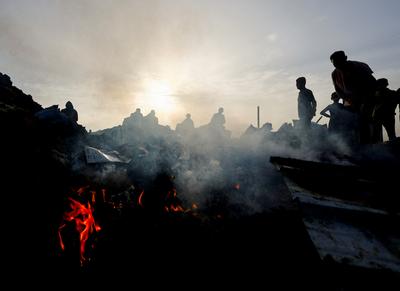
column 95, row 156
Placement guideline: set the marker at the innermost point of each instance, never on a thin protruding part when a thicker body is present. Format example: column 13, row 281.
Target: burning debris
column 80, row 213
column 172, row 202
column 82, row 216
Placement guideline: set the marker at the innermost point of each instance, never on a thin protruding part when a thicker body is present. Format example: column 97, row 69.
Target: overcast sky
column 110, row 57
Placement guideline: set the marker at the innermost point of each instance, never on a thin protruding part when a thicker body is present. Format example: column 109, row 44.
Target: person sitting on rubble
column 216, row 126
column 250, row 132
column 218, row 119
column 5, row 80
column 355, row 84
column 134, row 120
column 137, row 116
column 266, row 131
column 385, row 107
column 266, row 128
column 185, row 126
column 306, row 104
column 70, row 111
column 150, row 120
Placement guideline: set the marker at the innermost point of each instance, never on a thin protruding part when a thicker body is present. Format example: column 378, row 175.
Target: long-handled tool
column 319, row 119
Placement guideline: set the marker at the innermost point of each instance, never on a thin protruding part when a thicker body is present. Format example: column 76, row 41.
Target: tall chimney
column 258, row 116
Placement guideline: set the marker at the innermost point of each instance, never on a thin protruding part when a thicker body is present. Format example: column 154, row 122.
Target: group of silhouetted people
column 367, row 106
column 185, row 128
column 216, row 124
column 367, row 103
column 137, row 120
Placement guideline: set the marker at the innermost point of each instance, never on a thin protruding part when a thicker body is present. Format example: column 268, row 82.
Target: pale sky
column 110, row 57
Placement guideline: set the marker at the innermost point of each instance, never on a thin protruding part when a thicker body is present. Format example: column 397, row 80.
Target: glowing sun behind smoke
column 159, row 95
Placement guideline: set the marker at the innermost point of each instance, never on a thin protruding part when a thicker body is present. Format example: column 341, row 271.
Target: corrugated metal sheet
column 347, row 231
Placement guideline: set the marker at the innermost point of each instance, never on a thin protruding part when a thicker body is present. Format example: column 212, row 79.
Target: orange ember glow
column 140, row 199
column 173, row 204
column 59, row 236
column 81, row 190
column 84, row 223
column 176, row 208
column 93, row 197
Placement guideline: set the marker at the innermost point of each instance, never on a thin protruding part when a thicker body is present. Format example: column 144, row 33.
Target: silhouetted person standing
column 70, row 111
column 306, row 104
column 385, row 107
column 354, row 83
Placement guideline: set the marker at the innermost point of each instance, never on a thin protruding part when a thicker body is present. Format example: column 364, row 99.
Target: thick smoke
column 215, row 171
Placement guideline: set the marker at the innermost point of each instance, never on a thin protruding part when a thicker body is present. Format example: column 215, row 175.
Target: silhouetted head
column 267, row 126
column 220, row 110
column 301, row 83
column 338, row 59
column 188, row 115
column 382, row 83
column 5, row 80
column 335, row 97
column 69, row 105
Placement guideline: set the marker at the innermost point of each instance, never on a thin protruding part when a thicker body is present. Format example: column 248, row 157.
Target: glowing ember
column 93, row 197
column 140, row 198
column 172, row 202
column 85, row 224
column 81, row 190
column 176, row 208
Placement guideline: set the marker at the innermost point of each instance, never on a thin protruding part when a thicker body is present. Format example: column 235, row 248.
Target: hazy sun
column 158, row 94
